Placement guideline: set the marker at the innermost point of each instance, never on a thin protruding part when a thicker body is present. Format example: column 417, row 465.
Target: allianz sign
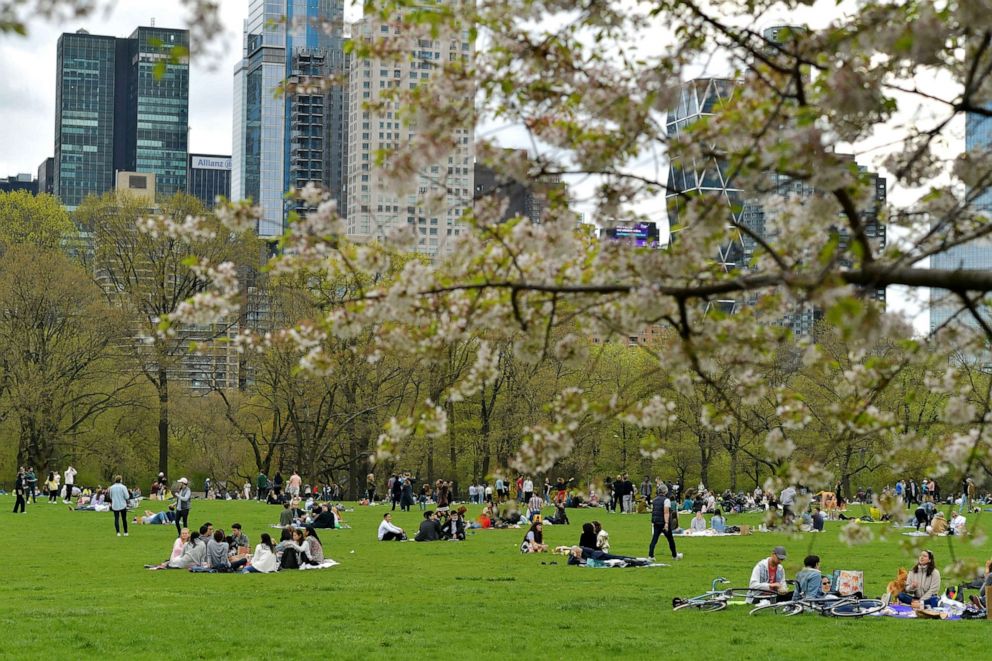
column 207, row 163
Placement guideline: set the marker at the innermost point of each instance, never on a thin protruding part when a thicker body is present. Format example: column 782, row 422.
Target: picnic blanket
column 326, row 564
column 906, row 612
column 920, row 533
column 709, row 532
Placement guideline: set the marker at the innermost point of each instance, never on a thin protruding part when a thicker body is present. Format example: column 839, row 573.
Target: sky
column 27, row 94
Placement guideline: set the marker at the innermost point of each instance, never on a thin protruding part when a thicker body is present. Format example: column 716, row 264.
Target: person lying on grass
column 534, row 540
column 156, row 518
column 581, row 556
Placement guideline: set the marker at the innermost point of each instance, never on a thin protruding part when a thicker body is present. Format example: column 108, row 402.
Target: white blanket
column 326, row 564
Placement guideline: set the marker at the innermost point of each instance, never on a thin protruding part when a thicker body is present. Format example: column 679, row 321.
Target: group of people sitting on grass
column 440, row 525
column 921, row 584
column 926, row 518
column 209, row 550
column 311, row 514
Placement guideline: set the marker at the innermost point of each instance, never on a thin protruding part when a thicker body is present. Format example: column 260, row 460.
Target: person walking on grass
column 119, row 495
column 70, row 481
column 183, row 498
column 664, row 519
column 19, row 488
column 31, row 480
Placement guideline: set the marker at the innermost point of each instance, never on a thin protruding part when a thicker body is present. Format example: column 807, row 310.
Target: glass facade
column 286, row 140
column 701, row 98
column 975, row 255
column 116, row 111
column 84, row 116
column 159, row 106
column 209, row 177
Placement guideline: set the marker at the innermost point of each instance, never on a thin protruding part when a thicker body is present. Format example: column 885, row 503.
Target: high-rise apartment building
column 711, row 177
column 974, row 254
column 121, row 104
column 376, row 206
column 288, row 126
column 209, row 177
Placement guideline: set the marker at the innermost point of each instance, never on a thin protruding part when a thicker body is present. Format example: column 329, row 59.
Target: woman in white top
column 264, row 560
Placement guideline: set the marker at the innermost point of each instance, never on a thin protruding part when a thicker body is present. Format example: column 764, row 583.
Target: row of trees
column 87, row 377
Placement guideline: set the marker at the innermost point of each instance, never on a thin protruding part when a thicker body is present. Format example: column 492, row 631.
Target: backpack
column 673, row 519
column 290, row 559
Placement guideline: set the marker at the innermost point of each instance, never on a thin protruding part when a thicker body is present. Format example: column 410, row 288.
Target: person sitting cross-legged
column 430, row 529
column 769, row 576
column 923, row 582
column 389, row 532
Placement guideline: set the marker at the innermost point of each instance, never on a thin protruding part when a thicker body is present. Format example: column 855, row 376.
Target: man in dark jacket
column 663, row 515
column 430, row 529
column 323, row 517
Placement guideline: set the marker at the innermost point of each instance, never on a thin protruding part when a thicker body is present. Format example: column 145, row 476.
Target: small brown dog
column 899, row 585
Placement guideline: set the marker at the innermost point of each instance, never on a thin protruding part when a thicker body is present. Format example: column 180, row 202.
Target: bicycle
column 717, row 599
column 833, row 607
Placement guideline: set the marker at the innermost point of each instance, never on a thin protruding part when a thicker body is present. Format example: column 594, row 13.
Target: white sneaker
column 678, row 556
column 118, row 534
column 125, row 534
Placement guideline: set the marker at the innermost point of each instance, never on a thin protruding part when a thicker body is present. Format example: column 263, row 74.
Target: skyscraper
column 375, row 207
column 286, row 139
column 87, row 98
column 711, row 177
column 121, row 104
column 974, row 254
column 158, row 106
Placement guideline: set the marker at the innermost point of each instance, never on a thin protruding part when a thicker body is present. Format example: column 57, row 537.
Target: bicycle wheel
column 786, row 608
column 713, row 606
column 857, row 608
column 705, row 606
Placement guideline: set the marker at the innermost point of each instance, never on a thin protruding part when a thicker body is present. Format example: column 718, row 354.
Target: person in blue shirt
column 809, row 580
column 718, row 523
column 118, row 504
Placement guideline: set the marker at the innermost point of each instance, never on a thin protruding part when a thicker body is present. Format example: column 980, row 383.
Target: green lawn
column 71, row 589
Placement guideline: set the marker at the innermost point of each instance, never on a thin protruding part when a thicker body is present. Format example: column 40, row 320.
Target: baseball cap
column 184, row 480
column 779, row 551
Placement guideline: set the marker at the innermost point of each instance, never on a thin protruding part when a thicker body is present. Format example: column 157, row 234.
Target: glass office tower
column 85, row 92
column 121, row 104
column 159, row 107
column 286, row 140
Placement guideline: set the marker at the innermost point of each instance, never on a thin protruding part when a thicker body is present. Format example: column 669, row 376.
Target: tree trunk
column 430, row 461
column 733, row 471
column 163, row 420
column 452, row 450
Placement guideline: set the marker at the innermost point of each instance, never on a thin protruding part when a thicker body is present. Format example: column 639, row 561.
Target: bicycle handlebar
column 717, row 580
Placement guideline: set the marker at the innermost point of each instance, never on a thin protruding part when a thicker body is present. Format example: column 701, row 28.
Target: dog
column 898, row 586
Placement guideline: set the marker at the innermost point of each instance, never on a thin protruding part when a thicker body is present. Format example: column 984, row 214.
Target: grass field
column 71, row 589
